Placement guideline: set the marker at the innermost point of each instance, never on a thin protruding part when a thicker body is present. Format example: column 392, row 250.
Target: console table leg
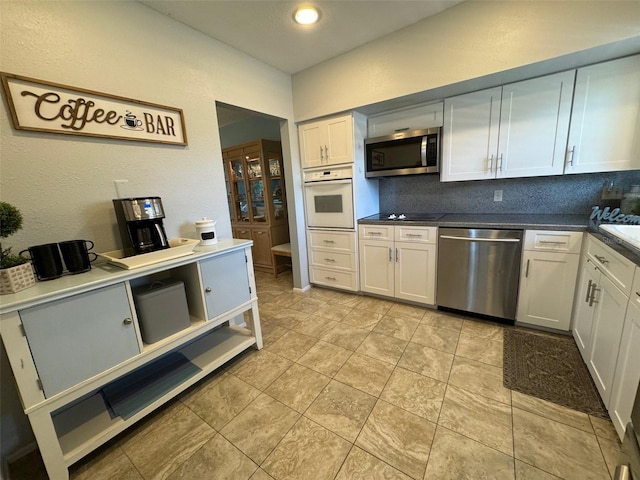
column 49, row 445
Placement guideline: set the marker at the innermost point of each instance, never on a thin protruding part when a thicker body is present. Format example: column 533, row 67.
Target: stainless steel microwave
column 404, row 153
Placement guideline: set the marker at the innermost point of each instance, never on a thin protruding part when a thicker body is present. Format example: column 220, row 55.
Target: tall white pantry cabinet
column 83, row 371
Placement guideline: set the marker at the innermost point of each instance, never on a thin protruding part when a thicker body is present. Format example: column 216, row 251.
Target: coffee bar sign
column 50, row 107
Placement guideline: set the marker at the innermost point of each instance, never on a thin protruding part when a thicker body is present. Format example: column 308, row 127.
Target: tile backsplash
column 556, row 194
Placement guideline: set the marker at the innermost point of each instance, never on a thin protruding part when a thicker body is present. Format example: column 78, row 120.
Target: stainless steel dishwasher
column 479, row 270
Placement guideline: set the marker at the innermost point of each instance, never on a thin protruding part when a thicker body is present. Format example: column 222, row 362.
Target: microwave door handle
column 423, row 151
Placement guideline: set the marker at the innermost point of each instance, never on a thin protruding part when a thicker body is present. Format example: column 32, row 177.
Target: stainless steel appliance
column 403, row 153
column 479, row 270
column 140, row 224
column 328, row 195
column 631, row 445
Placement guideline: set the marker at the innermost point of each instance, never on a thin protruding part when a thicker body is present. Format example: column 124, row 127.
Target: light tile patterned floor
column 348, row 387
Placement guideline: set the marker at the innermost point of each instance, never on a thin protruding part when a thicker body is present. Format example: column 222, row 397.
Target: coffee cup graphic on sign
column 131, row 120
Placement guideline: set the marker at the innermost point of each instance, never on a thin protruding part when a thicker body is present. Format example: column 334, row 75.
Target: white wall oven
column 328, row 195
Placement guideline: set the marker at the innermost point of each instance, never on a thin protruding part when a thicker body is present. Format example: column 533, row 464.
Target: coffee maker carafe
column 140, row 224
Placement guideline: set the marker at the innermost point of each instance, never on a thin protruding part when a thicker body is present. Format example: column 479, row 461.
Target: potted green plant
column 15, row 271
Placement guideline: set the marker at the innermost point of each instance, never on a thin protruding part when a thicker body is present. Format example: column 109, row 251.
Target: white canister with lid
column 206, row 231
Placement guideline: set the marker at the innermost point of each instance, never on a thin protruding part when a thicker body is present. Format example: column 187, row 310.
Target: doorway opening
column 255, row 182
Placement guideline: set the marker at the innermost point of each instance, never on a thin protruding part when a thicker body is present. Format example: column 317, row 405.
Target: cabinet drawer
column 619, row 270
column 416, row 234
column 553, row 241
column 333, row 278
column 332, row 259
column 375, row 232
column 345, row 241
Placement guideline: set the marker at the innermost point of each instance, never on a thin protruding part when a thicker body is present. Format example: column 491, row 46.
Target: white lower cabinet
column 548, row 278
column 599, row 312
column 627, row 374
column 332, row 259
column 82, row 369
column 398, row 261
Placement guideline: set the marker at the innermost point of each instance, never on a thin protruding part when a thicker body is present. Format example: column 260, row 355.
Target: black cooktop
column 400, row 216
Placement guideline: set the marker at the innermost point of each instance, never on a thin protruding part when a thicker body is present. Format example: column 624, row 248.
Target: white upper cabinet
column 518, row 130
column 327, row 142
column 470, row 135
column 534, row 121
column 406, row 119
column 605, row 122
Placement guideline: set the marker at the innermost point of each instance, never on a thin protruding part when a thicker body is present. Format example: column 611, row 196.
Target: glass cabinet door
column 276, row 182
column 256, row 190
column 239, row 191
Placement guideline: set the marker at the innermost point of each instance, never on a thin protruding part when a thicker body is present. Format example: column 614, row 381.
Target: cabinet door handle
column 207, row 290
column 491, row 163
column 127, row 321
column 413, row 235
column 602, row 260
column 331, row 278
column 526, row 273
column 328, row 241
column 397, row 256
column 326, row 152
column 500, row 164
column 588, row 291
column 390, row 255
column 549, row 242
column 638, row 294
column 593, row 300
column 321, row 156
column 570, row 154
column 260, row 233
column 374, row 233
column 330, row 260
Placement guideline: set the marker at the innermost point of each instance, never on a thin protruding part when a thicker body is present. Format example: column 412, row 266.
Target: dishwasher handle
column 471, row 239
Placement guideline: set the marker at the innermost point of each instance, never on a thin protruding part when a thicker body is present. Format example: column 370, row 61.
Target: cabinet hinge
column 24, row 333
column 40, row 384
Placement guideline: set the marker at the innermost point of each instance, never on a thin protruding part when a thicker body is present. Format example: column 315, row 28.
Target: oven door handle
column 328, row 182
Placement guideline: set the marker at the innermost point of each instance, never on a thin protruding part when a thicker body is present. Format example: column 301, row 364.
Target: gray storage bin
column 162, row 309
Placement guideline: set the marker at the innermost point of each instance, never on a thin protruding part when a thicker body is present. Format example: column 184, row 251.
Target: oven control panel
column 319, row 175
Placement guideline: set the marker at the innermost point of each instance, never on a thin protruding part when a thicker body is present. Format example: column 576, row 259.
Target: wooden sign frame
column 41, row 106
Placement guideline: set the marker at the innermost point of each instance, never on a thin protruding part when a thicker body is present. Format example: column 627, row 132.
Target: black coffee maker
column 140, row 224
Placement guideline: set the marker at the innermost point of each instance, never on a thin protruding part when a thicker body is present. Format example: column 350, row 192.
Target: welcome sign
column 41, row 106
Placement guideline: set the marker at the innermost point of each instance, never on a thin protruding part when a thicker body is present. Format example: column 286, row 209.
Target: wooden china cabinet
column 254, row 177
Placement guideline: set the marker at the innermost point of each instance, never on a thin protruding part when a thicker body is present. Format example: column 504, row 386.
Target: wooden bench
column 282, row 250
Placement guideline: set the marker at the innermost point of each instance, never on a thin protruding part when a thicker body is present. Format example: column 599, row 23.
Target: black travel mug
column 46, row 260
column 75, row 254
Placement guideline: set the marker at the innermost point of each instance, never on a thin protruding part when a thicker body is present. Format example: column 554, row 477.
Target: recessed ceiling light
column 306, row 15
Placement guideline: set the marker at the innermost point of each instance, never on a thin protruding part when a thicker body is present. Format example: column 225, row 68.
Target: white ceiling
column 265, row 29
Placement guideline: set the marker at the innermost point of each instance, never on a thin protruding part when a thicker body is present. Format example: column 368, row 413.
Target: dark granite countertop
column 512, row 221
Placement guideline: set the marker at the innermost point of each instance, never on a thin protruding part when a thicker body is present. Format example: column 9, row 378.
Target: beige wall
column 470, row 40
column 64, row 184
